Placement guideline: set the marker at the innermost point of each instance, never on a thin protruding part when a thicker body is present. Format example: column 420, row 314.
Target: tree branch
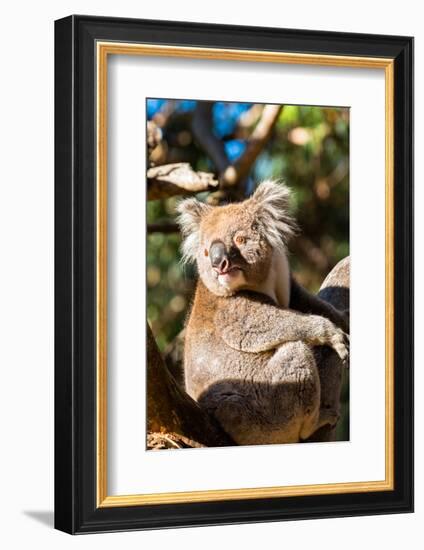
column 180, row 179
column 163, row 228
column 232, row 175
column 257, row 141
column 202, row 125
column 154, row 136
column 177, row 179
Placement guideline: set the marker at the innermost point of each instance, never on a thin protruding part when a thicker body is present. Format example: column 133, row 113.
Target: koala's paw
column 339, row 341
column 334, row 337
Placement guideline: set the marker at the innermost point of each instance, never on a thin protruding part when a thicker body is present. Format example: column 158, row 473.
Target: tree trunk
column 175, row 420
column 334, row 290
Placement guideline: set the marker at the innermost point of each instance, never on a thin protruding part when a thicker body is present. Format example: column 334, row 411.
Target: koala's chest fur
column 207, row 359
column 277, row 283
column 267, row 396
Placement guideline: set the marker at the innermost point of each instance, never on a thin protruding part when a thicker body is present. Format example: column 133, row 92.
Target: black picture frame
column 76, row 508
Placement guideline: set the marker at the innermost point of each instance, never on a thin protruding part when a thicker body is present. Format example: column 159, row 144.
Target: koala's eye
column 240, row 240
column 206, row 253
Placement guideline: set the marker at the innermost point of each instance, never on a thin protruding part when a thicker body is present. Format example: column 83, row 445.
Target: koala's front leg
column 246, row 323
column 305, row 302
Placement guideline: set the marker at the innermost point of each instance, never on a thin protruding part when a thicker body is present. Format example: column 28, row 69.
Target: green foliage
column 310, row 152
column 169, row 284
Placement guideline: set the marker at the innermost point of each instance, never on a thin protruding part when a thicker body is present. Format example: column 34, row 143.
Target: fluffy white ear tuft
column 272, row 200
column 191, row 212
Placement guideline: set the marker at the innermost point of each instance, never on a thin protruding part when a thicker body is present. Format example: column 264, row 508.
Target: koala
column 250, row 334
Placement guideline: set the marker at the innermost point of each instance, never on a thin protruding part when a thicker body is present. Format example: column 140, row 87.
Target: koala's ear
column 272, row 202
column 191, row 212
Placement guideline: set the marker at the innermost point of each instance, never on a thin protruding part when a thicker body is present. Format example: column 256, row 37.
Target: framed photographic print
column 234, row 274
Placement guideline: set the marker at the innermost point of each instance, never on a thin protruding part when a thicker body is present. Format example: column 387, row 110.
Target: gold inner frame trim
column 103, row 49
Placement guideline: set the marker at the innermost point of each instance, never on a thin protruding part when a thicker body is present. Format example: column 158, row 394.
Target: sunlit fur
column 264, row 222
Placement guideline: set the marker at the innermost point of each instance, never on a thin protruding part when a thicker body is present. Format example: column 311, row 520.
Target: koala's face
column 233, row 252
column 233, row 245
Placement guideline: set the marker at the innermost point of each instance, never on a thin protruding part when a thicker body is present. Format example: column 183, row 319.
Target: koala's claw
column 339, row 341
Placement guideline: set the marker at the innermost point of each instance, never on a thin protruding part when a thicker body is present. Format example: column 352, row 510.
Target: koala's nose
column 218, row 256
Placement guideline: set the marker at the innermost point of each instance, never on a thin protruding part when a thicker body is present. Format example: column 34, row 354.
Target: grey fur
column 249, row 358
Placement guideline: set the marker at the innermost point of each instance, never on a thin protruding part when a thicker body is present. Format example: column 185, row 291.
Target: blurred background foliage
column 308, row 149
